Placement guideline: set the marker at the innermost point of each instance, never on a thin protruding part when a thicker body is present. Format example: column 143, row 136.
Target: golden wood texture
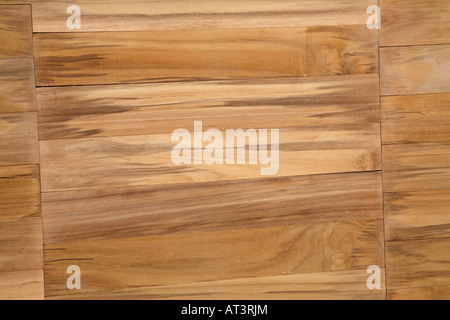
column 50, row 16
column 337, row 285
column 218, row 255
column 22, row 285
column 19, row 192
column 131, row 212
column 430, row 293
column 324, row 103
column 21, row 244
column 416, row 118
column 18, row 138
column 15, row 32
column 418, row 22
column 17, row 92
column 416, row 167
column 415, row 70
column 418, row 263
column 164, row 56
column 415, row 215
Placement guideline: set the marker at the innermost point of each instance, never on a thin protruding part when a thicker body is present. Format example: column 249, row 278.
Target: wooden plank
column 416, row 215
column 19, row 192
column 418, row 22
column 17, row 92
column 51, row 16
column 22, row 285
column 126, row 212
column 416, row 167
column 430, row 293
column 311, row 103
column 418, row 263
column 415, row 70
column 18, row 138
column 337, row 285
column 146, row 160
column 164, row 56
column 21, row 244
column 415, row 118
column 219, row 255
column 15, row 30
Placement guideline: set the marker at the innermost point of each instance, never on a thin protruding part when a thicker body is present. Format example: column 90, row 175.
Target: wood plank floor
column 354, row 123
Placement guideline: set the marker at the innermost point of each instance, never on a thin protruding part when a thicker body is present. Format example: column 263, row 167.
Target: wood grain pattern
column 146, row 160
column 219, row 255
column 325, row 103
column 337, row 285
column 430, row 293
column 21, row 244
column 415, row 118
column 22, row 285
column 415, row 215
column 131, row 212
column 19, row 192
column 164, row 56
column 415, row 70
column 18, row 138
column 17, row 92
column 15, row 31
column 418, row 263
column 416, row 167
column 418, row 22
column 50, row 16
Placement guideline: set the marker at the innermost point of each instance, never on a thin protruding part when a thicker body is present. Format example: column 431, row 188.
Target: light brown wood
column 415, row 215
column 80, row 163
column 430, row 293
column 418, row 22
column 416, row 167
column 17, row 92
column 132, row 212
column 326, row 103
column 21, row 244
column 22, row 285
column 337, row 285
column 415, row 118
column 415, row 70
column 165, row 56
column 19, row 192
column 50, row 16
column 15, row 32
column 218, row 255
column 18, row 138
column 418, row 263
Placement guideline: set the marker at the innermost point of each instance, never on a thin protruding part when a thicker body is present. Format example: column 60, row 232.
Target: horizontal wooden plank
column 337, row 285
column 21, row 244
column 165, row 56
column 51, row 16
column 17, row 92
column 416, row 167
column 117, row 110
column 416, row 215
column 15, row 31
column 18, row 138
column 125, row 212
column 22, row 285
column 415, row 118
column 418, row 263
column 426, row 293
column 415, row 70
column 19, row 192
column 209, row 256
column 417, row 22
column 146, row 160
